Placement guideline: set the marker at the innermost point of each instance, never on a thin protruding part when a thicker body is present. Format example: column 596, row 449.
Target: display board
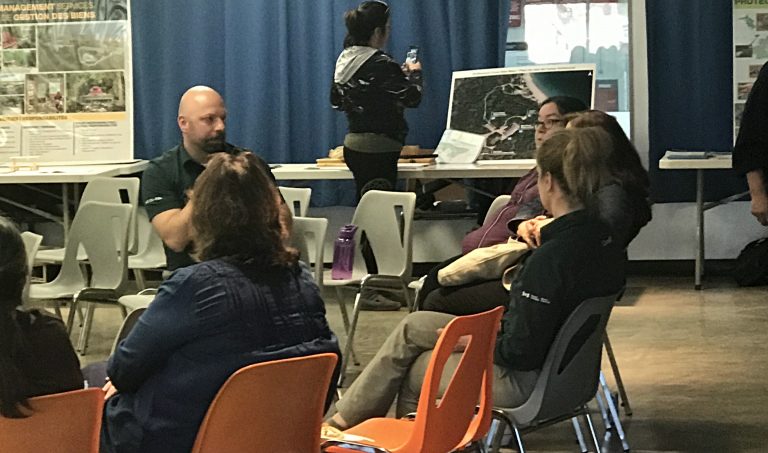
column 65, row 81
column 750, row 51
column 502, row 103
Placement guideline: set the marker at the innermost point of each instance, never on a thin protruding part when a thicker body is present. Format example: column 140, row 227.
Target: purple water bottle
column 344, row 253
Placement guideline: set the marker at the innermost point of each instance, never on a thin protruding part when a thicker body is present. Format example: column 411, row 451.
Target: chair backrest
column 386, row 218
column 570, row 373
column 126, row 326
column 116, row 190
column 270, row 406
column 31, row 244
column 308, row 236
column 66, row 422
column 102, row 229
column 451, row 423
column 498, row 203
column 150, row 253
column 297, row 198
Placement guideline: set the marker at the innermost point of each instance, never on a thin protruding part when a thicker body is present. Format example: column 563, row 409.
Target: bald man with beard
column 167, row 180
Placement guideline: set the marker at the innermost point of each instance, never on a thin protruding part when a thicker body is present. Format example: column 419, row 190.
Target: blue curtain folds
column 273, row 62
column 690, row 92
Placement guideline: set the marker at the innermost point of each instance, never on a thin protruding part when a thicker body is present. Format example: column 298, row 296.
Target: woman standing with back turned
column 373, row 90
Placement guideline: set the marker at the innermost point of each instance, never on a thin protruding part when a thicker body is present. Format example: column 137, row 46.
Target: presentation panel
column 65, row 81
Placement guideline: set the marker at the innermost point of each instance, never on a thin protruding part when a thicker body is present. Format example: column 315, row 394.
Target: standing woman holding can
column 373, row 90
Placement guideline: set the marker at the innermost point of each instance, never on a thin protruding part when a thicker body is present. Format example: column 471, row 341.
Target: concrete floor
column 695, row 365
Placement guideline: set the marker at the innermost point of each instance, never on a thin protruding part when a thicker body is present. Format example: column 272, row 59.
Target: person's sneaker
column 377, row 302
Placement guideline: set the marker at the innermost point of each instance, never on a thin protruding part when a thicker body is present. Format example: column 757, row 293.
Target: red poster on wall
column 515, row 13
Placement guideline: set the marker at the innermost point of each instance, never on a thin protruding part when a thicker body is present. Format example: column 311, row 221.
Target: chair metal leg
column 591, row 429
column 82, row 343
column 415, row 306
column 614, row 413
column 73, row 307
column 350, row 340
column 140, row 282
column 57, row 309
column 345, row 319
column 496, row 430
column 519, row 439
column 342, row 308
column 407, row 295
column 579, row 434
column 603, row 411
column 617, row 375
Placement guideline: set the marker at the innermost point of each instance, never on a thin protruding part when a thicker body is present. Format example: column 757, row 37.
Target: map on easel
column 502, row 103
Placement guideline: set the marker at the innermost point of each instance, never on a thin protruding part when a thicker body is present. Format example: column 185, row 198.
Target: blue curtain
column 690, row 95
column 273, row 62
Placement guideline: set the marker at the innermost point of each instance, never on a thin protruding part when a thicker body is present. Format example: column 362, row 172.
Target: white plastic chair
column 102, row 230
column 31, row 244
column 308, row 236
column 150, row 253
column 131, row 302
column 106, row 190
column 498, row 203
column 297, row 198
column 126, row 326
column 386, row 218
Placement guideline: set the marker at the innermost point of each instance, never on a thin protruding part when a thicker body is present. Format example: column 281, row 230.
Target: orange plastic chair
column 66, row 422
column 450, row 423
column 269, row 407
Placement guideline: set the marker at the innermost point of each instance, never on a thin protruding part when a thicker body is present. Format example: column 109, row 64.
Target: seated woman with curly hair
column 248, row 300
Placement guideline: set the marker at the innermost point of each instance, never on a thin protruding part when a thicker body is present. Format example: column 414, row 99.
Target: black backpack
column 751, row 268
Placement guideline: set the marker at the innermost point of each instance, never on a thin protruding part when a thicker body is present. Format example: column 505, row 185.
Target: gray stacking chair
column 297, row 198
column 106, row 190
column 569, row 377
column 150, row 253
column 386, row 218
column 308, row 236
column 100, row 229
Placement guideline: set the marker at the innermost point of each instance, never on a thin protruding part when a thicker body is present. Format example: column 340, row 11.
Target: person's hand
column 462, row 342
column 757, row 190
column 529, row 231
column 409, row 67
column 759, row 207
column 109, row 390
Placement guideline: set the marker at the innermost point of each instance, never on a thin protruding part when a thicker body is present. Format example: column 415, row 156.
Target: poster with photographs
column 750, row 51
column 65, row 81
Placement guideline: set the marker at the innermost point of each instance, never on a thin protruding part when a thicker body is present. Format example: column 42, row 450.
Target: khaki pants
column 398, row 369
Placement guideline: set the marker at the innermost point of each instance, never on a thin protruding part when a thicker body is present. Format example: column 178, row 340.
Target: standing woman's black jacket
column 371, row 88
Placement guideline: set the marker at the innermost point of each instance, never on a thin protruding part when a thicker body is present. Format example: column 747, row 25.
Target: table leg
column 699, row 270
column 65, row 209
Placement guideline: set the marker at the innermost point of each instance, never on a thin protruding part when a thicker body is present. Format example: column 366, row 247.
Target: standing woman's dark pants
column 372, row 171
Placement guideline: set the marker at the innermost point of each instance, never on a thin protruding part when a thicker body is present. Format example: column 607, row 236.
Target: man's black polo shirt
column 164, row 185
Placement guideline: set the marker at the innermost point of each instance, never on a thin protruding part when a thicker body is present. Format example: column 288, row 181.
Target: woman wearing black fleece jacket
column 577, row 260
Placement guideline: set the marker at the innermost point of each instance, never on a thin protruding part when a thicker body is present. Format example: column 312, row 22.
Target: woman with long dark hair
column 373, row 90
column 247, row 301
column 36, row 357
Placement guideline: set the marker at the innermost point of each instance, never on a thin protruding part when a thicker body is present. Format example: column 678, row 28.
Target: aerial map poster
column 502, row 103
column 750, row 51
column 65, row 81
